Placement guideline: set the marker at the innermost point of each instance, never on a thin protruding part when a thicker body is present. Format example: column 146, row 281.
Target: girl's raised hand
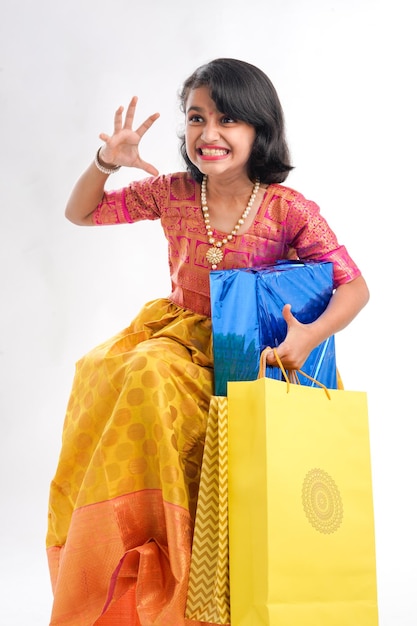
column 122, row 148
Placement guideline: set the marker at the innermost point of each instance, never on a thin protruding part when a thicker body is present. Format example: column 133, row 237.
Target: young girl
column 123, row 500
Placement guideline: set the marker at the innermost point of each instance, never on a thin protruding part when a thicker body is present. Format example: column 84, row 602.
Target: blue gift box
column 246, row 308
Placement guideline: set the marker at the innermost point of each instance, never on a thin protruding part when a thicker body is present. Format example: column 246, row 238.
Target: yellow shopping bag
column 301, row 525
column 208, row 587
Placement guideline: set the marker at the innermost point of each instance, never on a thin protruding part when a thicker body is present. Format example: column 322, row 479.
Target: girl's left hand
column 297, row 345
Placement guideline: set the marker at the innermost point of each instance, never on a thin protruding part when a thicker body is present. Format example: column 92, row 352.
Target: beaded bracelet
column 105, row 170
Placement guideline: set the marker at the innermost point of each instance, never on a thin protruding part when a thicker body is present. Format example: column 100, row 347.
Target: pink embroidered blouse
column 286, row 223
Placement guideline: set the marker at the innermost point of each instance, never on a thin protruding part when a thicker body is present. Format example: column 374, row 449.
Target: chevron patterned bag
column 208, row 589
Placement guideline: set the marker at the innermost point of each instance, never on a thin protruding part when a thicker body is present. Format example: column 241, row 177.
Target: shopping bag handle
column 291, row 376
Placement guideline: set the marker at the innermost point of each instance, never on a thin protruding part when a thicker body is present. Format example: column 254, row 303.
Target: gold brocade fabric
column 123, row 499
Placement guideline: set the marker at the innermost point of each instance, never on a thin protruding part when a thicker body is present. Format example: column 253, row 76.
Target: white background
column 345, row 71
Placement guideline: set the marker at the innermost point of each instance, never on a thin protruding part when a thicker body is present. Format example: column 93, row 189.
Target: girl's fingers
column 119, row 125
column 130, row 113
column 141, row 130
column 123, row 144
column 118, row 119
column 150, row 169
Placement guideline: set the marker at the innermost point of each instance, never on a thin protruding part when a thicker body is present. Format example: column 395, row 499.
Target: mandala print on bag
column 322, row 501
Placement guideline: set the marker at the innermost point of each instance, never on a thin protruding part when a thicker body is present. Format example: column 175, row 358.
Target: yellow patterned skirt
column 123, row 499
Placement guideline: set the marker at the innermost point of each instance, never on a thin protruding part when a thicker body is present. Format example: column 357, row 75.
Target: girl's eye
column 195, row 118
column 228, row 120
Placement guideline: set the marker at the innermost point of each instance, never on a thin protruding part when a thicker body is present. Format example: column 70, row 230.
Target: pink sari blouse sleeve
column 313, row 239
column 140, row 200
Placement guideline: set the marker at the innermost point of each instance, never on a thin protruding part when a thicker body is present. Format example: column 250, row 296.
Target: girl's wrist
column 103, row 167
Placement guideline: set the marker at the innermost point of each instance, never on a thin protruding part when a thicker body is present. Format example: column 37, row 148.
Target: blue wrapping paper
column 246, row 308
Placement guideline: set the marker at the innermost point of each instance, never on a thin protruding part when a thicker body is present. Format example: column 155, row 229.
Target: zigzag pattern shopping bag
column 208, row 588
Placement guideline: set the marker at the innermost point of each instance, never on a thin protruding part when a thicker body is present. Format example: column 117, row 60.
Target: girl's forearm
column 345, row 304
column 85, row 196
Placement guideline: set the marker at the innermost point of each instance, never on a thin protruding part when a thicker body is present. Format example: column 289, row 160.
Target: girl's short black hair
column 244, row 92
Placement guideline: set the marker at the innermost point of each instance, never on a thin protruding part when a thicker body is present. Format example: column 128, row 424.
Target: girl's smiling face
column 216, row 143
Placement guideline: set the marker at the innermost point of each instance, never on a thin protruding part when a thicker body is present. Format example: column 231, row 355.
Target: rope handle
column 292, row 376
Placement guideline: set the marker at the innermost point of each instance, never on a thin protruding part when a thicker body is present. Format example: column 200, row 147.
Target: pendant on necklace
column 214, row 255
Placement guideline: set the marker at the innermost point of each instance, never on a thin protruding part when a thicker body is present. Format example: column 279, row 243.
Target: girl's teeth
column 213, row 152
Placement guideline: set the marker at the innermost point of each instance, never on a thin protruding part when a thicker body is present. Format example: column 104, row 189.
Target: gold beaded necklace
column 215, row 254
